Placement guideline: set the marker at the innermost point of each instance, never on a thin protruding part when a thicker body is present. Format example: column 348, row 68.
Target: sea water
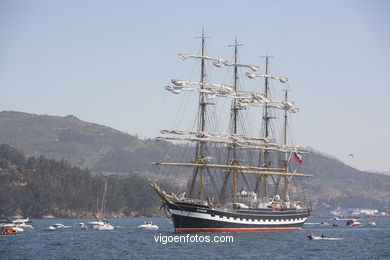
column 129, row 242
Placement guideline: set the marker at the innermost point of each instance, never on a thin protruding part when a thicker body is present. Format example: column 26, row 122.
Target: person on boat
column 311, row 235
column 322, row 235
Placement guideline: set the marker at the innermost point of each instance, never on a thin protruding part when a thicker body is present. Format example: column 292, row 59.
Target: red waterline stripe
column 188, row 230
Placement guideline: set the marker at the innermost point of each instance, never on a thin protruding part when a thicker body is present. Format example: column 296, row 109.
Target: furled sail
column 223, row 64
column 245, row 98
column 214, row 134
column 220, row 61
column 254, row 75
column 238, row 141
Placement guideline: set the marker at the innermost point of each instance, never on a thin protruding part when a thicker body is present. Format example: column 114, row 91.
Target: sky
column 106, row 62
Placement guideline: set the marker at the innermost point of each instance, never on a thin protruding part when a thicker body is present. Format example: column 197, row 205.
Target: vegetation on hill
column 103, row 149
column 83, row 144
column 37, row 187
column 337, row 185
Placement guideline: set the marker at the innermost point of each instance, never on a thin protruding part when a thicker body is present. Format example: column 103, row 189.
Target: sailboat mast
column 202, row 119
column 285, row 162
column 104, row 201
column 97, row 208
column 266, row 119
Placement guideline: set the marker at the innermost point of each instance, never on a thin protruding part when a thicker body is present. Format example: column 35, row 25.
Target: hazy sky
column 106, row 62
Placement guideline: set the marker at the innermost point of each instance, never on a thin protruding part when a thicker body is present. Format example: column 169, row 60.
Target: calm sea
column 128, row 242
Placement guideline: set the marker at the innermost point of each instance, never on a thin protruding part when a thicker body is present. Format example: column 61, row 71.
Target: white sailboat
column 101, row 222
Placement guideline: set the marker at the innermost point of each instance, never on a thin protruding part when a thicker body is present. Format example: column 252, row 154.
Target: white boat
column 353, row 222
column 21, row 220
column 83, row 226
column 21, row 223
column 24, row 226
column 50, row 228
column 106, row 226
column 311, row 236
column 94, row 224
column 58, row 225
column 101, row 224
column 148, row 226
column 372, row 223
column 18, row 229
column 325, row 238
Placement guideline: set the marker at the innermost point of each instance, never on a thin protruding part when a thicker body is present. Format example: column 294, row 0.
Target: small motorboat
column 21, row 223
column 148, row 226
column 21, row 220
column 100, row 225
column 353, row 223
column 106, row 226
column 311, row 236
column 58, row 225
column 17, row 228
column 372, row 223
column 325, row 238
column 8, row 230
column 94, row 224
column 335, row 224
column 24, row 226
column 83, row 226
column 50, row 228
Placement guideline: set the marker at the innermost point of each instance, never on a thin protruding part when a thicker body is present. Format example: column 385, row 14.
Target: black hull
column 190, row 217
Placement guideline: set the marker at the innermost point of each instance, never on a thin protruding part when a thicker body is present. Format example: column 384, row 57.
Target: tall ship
column 240, row 172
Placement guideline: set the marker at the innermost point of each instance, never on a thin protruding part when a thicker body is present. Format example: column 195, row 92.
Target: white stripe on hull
column 238, row 220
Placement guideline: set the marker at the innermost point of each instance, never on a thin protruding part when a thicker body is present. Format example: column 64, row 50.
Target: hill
column 83, row 144
column 38, row 187
column 338, row 185
column 103, row 149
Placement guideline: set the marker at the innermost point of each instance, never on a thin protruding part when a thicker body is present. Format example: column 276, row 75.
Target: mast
column 104, row 202
column 266, row 119
column 285, row 161
column 234, row 113
column 202, row 122
column 97, row 208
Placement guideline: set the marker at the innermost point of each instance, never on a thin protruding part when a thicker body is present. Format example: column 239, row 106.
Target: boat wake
column 326, row 238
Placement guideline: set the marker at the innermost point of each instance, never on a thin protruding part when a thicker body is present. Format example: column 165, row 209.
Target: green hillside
column 83, row 144
column 39, row 187
column 338, row 185
column 103, row 149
